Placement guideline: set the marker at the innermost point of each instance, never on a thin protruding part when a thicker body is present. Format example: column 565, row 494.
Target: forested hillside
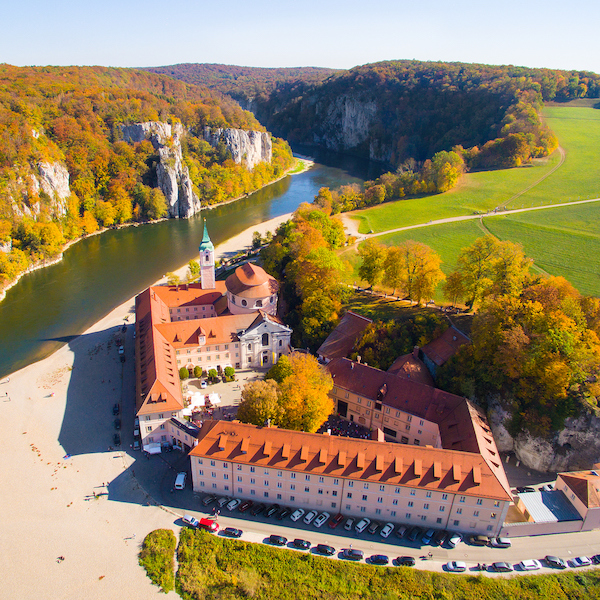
column 65, row 169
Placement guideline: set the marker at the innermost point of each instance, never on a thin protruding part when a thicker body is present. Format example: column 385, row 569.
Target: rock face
column 172, row 175
column 251, row 147
column 575, row 447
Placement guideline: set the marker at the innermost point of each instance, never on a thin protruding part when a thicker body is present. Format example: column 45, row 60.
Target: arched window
column 244, row 303
column 265, row 339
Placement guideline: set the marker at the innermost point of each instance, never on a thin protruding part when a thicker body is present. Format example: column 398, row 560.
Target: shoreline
column 41, row 264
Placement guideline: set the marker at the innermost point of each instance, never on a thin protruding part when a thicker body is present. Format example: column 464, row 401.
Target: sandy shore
column 61, row 406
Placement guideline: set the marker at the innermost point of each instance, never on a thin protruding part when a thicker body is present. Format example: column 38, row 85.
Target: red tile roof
column 251, row 281
column 357, row 459
column 189, row 294
column 409, row 367
column 446, row 346
column 585, row 485
column 342, row 339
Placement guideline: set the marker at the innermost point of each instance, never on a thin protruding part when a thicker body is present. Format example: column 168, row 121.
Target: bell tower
column 207, row 262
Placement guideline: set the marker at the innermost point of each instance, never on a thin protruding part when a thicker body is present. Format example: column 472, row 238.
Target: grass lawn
column 211, row 567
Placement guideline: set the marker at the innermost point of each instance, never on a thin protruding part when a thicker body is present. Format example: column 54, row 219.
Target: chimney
column 358, row 359
column 378, row 435
column 415, row 352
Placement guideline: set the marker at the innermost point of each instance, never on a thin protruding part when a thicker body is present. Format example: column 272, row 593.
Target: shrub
column 197, row 371
column 229, row 373
column 183, row 373
column 213, row 374
column 157, row 557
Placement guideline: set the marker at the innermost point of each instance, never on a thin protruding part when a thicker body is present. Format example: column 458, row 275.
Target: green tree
column 392, row 274
column 304, row 395
column 197, row 371
column 183, row 373
column 229, row 373
column 260, row 403
column 421, row 271
column 193, row 270
column 453, row 288
column 475, row 265
column 280, row 370
column 373, row 257
column 173, row 279
column 256, row 240
column 212, row 373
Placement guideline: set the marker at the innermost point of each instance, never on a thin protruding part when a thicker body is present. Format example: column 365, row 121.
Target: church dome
column 251, row 281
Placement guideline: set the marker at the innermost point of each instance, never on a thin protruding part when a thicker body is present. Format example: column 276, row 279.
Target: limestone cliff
column 251, row 147
column 576, row 446
column 172, row 175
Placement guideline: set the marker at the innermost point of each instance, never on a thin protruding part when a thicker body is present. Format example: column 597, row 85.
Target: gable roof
column 446, row 346
column 352, row 458
column 341, row 340
column 189, row 294
column 410, row 367
column 585, row 485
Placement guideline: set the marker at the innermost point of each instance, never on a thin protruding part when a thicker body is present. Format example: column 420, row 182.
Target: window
column 266, row 482
column 377, row 511
column 239, row 479
column 212, row 463
column 426, row 506
column 149, row 428
column 252, row 469
column 349, row 495
column 265, row 494
column 351, row 484
column 459, row 511
column 307, row 477
column 404, row 440
column 496, row 504
column 423, row 517
column 293, row 475
column 417, row 442
column 253, row 492
column 225, row 476
column 266, row 472
column 421, row 422
column 461, row 499
column 292, row 486
column 265, row 337
column 226, row 488
column 366, row 486
column 438, row 520
column 413, row 493
column 200, row 472
column 380, row 500
column 202, row 484
column 490, row 527
column 279, row 473
column 292, row 498
column 410, row 504
column 442, row 508
column 279, row 484
column 364, row 497
column 333, row 504
column 362, row 509
column 214, row 485
column 278, row 496
column 382, row 488
column 320, row 491
column 395, row 501
column 479, row 501
column 336, row 482
column 199, row 461
column 225, row 465
column 213, row 474
column 239, row 467
column 334, row 493
column 493, row 515
column 444, row 496
column 252, row 480
column 456, row 523
column 321, row 480
column 306, row 489
column 475, row 513
column 393, row 513
column 397, row 491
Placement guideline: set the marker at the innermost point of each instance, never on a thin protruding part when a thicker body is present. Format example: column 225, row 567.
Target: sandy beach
column 65, row 492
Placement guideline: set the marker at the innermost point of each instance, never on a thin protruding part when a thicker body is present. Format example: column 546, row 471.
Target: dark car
column 373, row 527
column 232, row 532
column 208, row 499
column 257, row 509
column 352, row 554
column 335, row 521
column 428, row 536
column 272, row 510
column 324, row 549
column 405, row 561
column 283, row 513
column 501, row 567
column 478, row 540
column 401, row 531
column 117, row 439
column 277, row 540
column 301, row 544
column 117, row 424
column 440, row 537
column 223, row 500
column 245, row 505
column 555, row 562
column 124, row 328
column 116, row 409
column 414, row 534
column 122, row 358
column 379, row 559
column 525, row 489
column 595, row 559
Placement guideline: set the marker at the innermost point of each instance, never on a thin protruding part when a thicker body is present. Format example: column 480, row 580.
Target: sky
column 323, row 33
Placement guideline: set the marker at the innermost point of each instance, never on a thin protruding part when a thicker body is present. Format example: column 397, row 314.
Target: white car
column 456, row 566
column 121, row 350
column 322, row 518
column 308, row 519
column 530, row 565
column 387, row 529
column 500, row 542
column 233, row 504
column 348, row 524
column 297, row 514
column 203, row 384
column 362, row 525
column 454, row 539
column 581, row 561
column 189, row 520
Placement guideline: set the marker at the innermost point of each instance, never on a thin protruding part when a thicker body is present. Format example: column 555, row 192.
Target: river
column 49, row 306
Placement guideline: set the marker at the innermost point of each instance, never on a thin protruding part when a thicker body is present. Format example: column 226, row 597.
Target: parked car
column 440, row 537
column 189, row 520
column 122, row 358
column 595, row 559
column 405, row 561
column 223, row 500
column 257, row 509
column 301, row 544
column 121, row 350
column 136, row 444
column 116, row 409
column 379, row 559
column 362, row 525
column 283, row 513
column 180, row 480
column 348, row 524
column 208, row 524
column 530, row 565
column 309, row 518
column 478, row 540
column 525, row 489
column 297, row 514
column 456, row 566
column 581, row 561
column 555, row 562
column 546, row 488
column 373, row 527
column 277, row 540
column 232, row 532
column 352, row 554
column 117, row 439
column 324, row 549
column 272, row 510
column 233, row 504
column 414, row 534
column 208, row 499
column 428, row 536
column 401, row 531
column 500, row 542
column 501, row 567
column 386, row 530
column 453, row 539
column 335, row 521
column 117, row 424
column 245, row 505
column 322, row 518
column 203, row 384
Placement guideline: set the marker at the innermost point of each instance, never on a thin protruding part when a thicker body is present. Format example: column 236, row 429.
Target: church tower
column 207, row 262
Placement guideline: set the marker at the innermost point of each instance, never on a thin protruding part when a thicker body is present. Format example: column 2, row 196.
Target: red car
column 209, row 525
column 335, row 521
column 244, row 506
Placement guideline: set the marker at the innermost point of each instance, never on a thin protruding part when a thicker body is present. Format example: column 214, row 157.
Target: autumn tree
column 420, row 270
column 392, row 268
column 260, row 403
column 280, row 370
column 373, row 257
column 193, row 270
column 304, row 395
